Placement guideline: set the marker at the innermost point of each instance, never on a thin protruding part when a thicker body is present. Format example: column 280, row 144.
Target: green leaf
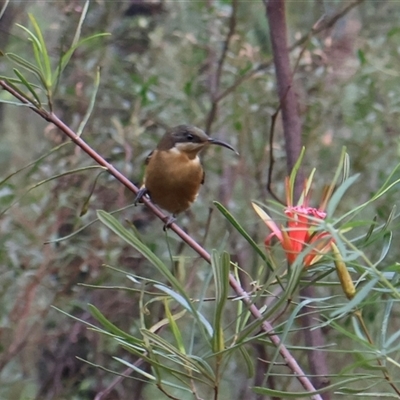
column 241, row 230
column 387, row 241
column 37, row 161
column 298, row 395
column 35, row 43
column 28, row 66
column 288, row 327
column 85, row 205
column 390, row 218
column 385, row 323
column 113, row 224
column 36, row 185
column 174, row 328
column 25, row 64
column 42, row 48
column 361, row 57
column 306, row 190
column 80, row 23
column 337, row 196
column 91, row 104
column 179, row 294
column 29, row 87
column 110, row 327
column 67, row 56
column 188, row 306
column 135, row 368
column 83, row 227
column 393, row 31
column 293, row 175
column 248, row 360
column 382, row 190
column 371, row 229
column 163, row 348
column 358, row 298
column 220, row 266
column 342, row 165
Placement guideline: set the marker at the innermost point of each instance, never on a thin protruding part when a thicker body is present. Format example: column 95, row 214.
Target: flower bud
column 344, row 276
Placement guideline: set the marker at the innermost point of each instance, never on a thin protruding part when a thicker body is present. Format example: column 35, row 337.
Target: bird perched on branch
column 174, row 173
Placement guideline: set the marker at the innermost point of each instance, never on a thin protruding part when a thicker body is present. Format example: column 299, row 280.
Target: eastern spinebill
column 173, row 172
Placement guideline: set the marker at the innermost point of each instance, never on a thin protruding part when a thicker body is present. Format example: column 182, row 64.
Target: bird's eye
column 189, row 136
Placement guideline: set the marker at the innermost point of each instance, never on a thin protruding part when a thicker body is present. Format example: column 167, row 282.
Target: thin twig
column 116, row 381
column 317, row 28
column 218, row 73
column 232, row 27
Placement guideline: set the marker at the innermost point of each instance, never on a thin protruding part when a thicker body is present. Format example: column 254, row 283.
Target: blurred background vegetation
column 157, row 70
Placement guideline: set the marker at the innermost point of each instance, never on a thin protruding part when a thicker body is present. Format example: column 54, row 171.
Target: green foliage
column 127, row 296
column 47, row 76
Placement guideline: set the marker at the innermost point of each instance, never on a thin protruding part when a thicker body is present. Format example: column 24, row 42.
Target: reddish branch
column 287, row 96
column 292, row 132
column 241, row 293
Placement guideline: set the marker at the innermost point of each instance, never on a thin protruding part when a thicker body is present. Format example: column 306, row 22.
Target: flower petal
column 268, row 221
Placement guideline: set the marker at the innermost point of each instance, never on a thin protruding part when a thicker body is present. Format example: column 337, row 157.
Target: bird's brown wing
column 147, row 160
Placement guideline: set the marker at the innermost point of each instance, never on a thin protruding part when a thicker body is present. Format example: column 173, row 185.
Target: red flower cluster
column 300, row 232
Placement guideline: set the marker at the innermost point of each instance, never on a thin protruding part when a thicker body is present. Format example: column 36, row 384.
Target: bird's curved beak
column 223, row 144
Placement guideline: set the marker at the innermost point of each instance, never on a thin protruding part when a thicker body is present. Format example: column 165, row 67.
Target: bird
column 173, row 172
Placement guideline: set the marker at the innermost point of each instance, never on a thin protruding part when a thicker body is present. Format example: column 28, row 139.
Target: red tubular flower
column 300, row 231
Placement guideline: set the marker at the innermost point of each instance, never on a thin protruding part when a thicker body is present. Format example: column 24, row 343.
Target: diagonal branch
column 241, row 293
column 325, row 24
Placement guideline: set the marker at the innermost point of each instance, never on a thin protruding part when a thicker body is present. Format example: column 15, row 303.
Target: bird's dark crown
column 189, row 139
column 183, row 134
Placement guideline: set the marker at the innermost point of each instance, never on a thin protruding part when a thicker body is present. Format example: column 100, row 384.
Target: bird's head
column 189, row 139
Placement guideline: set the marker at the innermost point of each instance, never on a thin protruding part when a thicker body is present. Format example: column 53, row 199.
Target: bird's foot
column 169, row 221
column 143, row 191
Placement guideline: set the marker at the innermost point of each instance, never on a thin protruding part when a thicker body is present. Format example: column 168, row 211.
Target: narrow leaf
column 136, row 369
column 29, row 87
column 245, row 235
column 25, row 64
column 337, row 196
column 85, row 205
column 188, row 306
column 80, row 23
column 298, row 395
column 110, row 327
column 293, row 175
column 331, row 187
column 174, row 327
column 43, row 50
column 67, row 56
column 387, row 241
column 357, row 299
column 220, row 266
column 91, row 104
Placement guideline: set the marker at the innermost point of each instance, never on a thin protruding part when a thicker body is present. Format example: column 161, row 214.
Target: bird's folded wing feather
column 146, row 162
